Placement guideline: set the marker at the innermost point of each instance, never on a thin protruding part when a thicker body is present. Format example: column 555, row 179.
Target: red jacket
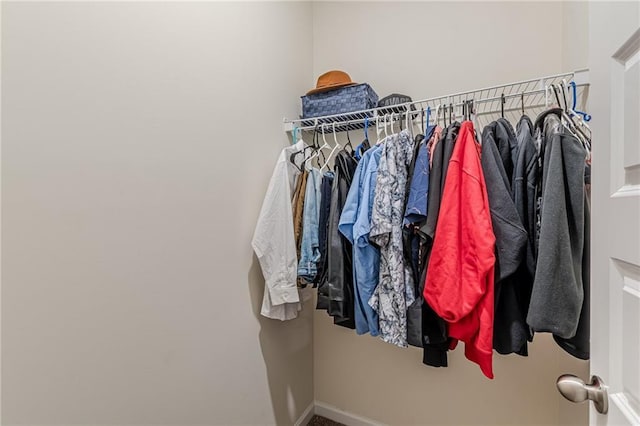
column 459, row 284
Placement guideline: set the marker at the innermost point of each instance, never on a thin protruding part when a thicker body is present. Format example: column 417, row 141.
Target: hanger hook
column 565, row 89
column 428, row 119
column 407, row 114
column 324, row 139
column 546, row 96
column 385, row 125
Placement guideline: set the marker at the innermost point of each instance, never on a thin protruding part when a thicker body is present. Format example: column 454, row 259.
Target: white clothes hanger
column 546, row 96
column 325, row 145
column 407, row 113
column 386, row 134
column 408, row 123
column 378, row 130
column 575, row 120
column 335, row 148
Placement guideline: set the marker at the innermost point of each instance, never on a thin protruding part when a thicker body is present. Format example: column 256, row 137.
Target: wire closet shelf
column 488, row 104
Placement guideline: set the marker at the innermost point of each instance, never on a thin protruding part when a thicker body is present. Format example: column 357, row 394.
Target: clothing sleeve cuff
column 284, row 295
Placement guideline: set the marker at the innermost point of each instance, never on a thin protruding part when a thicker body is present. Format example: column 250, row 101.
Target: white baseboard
column 306, row 415
column 340, row 416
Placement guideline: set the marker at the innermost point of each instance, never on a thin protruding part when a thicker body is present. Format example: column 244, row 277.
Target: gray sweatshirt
column 558, row 289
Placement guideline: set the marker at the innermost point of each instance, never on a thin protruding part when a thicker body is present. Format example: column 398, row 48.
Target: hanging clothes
column 436, row 240
column 510, row 330
column 274, row 241
column 558, row 295
column 578, row 345
column 434, row 329
column 323, row 228
column 418, row 179
column 442, row 152
column 525, row 180
column 459, row 282
column 310, row 244
column 298, row 208
column 339, row 250
column 395, row 288
column 413, row 241
column 355, row 225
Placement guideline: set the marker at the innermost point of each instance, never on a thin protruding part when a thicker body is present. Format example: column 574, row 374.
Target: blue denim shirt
column 355, row 223
column 310, row 244
column 416, row 209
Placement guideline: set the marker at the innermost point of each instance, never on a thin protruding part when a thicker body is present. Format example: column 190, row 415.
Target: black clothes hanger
column 502, row 102
column 522, row 102
column 292, row 157
column 348, row 144
column 364, row 145
column 446, row 115
column 468, row 109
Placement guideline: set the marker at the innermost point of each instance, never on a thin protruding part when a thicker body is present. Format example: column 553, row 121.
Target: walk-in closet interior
column 320, row 213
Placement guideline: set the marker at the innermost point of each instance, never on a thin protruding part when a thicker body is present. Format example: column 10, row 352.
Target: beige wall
column 575, row 35
column 400, row 47
column 138, row 140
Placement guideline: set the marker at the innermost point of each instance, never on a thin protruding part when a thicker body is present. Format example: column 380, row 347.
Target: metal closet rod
column 328, row 123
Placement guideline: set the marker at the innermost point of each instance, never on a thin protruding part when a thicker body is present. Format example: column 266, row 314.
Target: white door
column 614, row 100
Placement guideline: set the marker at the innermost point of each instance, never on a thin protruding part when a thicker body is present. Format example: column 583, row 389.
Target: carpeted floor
column 322, row 421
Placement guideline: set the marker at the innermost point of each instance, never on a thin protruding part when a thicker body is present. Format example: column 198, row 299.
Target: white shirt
column 274, row 241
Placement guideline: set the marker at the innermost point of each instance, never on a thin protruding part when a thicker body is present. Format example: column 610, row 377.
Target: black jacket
column 339, row 250
column 510, row 331
column 412, row 241
column 525, row 179
column 323, row 222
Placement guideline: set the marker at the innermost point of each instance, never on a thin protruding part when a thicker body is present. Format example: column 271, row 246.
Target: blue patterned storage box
column 345, row 99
